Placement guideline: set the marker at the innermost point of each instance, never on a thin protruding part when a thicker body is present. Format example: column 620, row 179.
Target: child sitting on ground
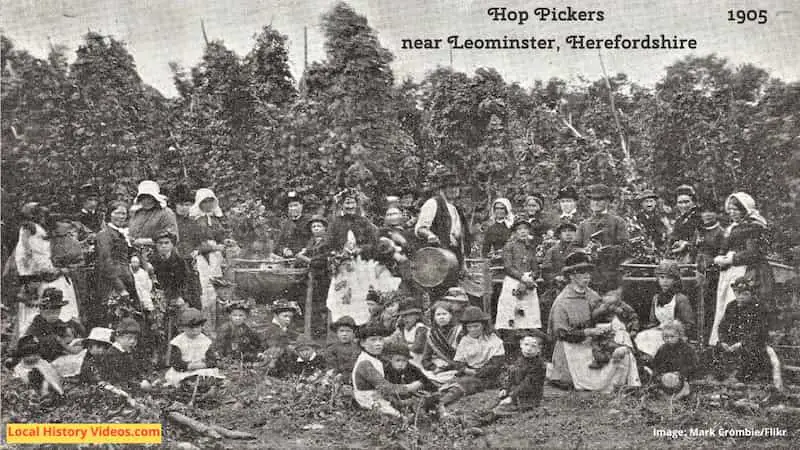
column 96, row 345
column 480, row 356
column 397, row 370
column 235, row 339
column 342, row 354
column 192, row 353
column 304, row 360
column 524, row 383
column 279, row 333
column 123, row 366
column 37, row 373
column 623, row 324
column 675, row 361
column 143, row 283
column 411, row 331
column 370, row 387
column 743, row 334
column 56, row 337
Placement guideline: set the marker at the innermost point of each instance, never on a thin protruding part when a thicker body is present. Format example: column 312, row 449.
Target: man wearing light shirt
column 440, row 222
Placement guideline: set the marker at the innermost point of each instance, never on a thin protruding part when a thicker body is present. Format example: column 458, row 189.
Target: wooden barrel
column 432, row 266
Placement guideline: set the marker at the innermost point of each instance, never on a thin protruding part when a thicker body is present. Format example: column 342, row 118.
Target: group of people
column 394, row 339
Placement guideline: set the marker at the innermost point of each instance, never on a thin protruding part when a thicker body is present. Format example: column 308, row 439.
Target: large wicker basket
column 267, row 280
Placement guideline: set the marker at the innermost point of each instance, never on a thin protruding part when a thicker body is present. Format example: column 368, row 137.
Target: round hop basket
column 267, row 281
column 432, row 266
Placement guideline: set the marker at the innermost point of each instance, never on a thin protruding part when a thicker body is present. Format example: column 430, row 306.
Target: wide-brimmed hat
column 100, row 335
column 191, row 317
column 566, row 226
column 669, row 267
column 52, row 298
column 317, row 219
column 305, row 341
column 409, row 305
column 27, row 346
column 645, row 194
column 396, row 348
column 744, row 283
column 598, row 192
column 182, row 194
column 131, row 326
column 151, row 188
column 372, row 329
column 344, row 321
column 456, row 294
column 577, row 262
column 567, row 192
column 282, row 304
column 473, row 314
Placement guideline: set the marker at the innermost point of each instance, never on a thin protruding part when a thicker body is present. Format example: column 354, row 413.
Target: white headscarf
column 749, row 205
column 509, row 220
column 204, row 194
column 151, row 188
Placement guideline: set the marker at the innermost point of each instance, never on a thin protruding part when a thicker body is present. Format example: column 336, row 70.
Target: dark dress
column 749, row 242
column 126, row 369
column 173, row 275
column 679, row 357
column 495, row 238
column 525, row 381
column 238, row 341
column 342, row 358
column 49, row 334
column 746, row 323
column 293, row 235
column 113, row 273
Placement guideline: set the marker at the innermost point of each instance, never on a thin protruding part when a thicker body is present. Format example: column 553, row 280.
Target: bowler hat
column 243, row 305
column 598, row 192
column 344, row 321
column 52, row 298
column 396, row 348
column 88, row 191
column 409, row 305
column 318, row 219
column 371, row 329
column 293, row 196
column 566, row 226
column 685, row 189
column 567, row 192
column 192, row 317
column 131, row 326
column 474, row 314
column 577, row 262
column 456, row 294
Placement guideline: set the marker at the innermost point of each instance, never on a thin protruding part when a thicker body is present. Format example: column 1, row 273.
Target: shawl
column 443, row 340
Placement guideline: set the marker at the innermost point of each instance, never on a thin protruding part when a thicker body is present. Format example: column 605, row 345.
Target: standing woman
column 150, row 215
column 211, row 233
column 534, row 205
column 743, row 254
column 112, row 269
column 686, row 225
column 497, row 234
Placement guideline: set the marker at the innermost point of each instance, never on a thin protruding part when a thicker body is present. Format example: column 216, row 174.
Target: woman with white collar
column 497, row 234
column 112, row 265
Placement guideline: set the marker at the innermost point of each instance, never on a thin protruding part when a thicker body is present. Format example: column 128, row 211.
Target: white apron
column 192, row 350
column 347, row 295
column 725, row 296
column 571, row 363
column 508, row 303
column 649, row 341
column 371, row 399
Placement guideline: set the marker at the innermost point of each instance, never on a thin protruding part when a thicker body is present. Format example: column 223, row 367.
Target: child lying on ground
column 525, row 377
column 370, row 387
column 675, row 362
column 341, row 355
column 627, row 322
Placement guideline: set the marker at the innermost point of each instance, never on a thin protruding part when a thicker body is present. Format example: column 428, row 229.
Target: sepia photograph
column 251, row 224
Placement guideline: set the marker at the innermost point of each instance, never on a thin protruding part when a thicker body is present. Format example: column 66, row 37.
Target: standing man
column 654, row 224
column 567, row 199
column 90, row 218
column 440, row 222
column 607, row 233
column 294, row 230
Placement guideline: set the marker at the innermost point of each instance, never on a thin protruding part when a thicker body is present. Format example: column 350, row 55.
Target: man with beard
column 294, row 231
column 655, row 225
column 440, row 222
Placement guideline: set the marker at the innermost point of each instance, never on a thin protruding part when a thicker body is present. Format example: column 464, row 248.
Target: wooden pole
column 309, row 300
column 701, row 306
column 487, row 286
column 305, row 49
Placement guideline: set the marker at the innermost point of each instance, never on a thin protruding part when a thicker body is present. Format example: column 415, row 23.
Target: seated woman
column 57, row 338
column 191, row 352
column 439, row 352
column 480, row 356
column 570, row 323
column 669, row 304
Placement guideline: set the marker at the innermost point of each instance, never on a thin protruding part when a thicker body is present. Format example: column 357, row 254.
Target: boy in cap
column 341, row 355
column 124, row 366
column 397, row 370
column 315, row 254
column 37, row 373
column 554, row 258
column 294, row 229
column 173, row 273
column 654, row 224
column 524, row 381
column 96, row 344
column 370, row 387
column 56, row 337
column 304, row 360
column 411, row 331
column 235, row 339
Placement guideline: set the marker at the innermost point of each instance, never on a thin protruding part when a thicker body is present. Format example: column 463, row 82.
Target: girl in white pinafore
column 518, row 304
